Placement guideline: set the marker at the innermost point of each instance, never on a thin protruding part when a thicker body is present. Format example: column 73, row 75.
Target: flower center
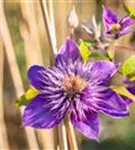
column 73, row 84
column 115, row 27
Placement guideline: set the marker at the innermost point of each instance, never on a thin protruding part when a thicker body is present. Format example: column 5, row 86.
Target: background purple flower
column 115, row 28
column 73, row 88
column 130, row 85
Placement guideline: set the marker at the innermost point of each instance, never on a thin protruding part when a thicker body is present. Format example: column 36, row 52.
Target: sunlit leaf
column 130, row 11
column 123, row 91
column 84, row 50
column 26, row 97
column 128, row 68
column 131, row 77
column 110, row 54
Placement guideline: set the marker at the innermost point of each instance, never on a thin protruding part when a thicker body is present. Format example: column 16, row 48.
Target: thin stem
column 123, row 47
column 113, row 48
column 72, row 35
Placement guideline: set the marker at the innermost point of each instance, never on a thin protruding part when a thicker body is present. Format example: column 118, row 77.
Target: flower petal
column 42, row 78
column 68, row 51
column 37, row 114
column 126, row 22
column 109, row 17
column 33, row 75
column 125, row 31
column 130, row 85
column 127, row 100
column 88, row 126
column 111, row 104
column 102, row 71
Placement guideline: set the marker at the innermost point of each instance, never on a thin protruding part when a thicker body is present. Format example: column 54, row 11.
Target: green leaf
column 128, row 68
column 84, row 50
column 130, row 11
column 132, row 77
column 97, row 55
column 26, row 97
column 88, row 44
column 110, row 54
column 123, row 91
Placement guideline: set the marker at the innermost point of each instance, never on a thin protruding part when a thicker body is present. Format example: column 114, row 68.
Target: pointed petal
column 68, row 51
column 39, row 114
column 130, row 85
column 112, row 104
column 109, row 17
column 126, row 22
column 127, row 100
column 42, row 78
column 102, row 71
column 88, row 126
column 33, row 75
column 125, row 31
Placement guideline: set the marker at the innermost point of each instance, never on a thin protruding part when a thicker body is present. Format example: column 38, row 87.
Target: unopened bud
column 72, row 19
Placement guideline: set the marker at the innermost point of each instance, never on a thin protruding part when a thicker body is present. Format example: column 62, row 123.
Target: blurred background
column 23, row 42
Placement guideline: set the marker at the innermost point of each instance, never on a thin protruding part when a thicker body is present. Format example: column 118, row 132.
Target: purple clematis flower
column 130, row 85
column 75, row 89
column 115, row 28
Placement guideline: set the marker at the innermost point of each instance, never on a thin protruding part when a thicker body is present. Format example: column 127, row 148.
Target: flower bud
column 72, row 19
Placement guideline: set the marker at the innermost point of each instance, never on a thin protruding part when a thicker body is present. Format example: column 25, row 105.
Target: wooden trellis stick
column 62, row 136
column 4, row 31
column 3, row 132
column 52, row 23
column 30, row 35
column 50, row 27
column 71, row 136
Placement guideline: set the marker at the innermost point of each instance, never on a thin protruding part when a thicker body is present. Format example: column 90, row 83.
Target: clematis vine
column 115, row 28
column 74, row 89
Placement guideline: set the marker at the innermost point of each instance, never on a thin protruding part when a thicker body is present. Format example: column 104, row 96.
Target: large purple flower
column 116, row 28
column 73, row 88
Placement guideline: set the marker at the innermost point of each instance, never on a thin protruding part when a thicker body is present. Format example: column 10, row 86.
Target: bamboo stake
column 30, row 35
column 4, row 31
column 32, row 46
column 71, row 135
column 46, row 52
column 62, row 136
column 3, row 132
column 52, row 23
column 49, row 23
